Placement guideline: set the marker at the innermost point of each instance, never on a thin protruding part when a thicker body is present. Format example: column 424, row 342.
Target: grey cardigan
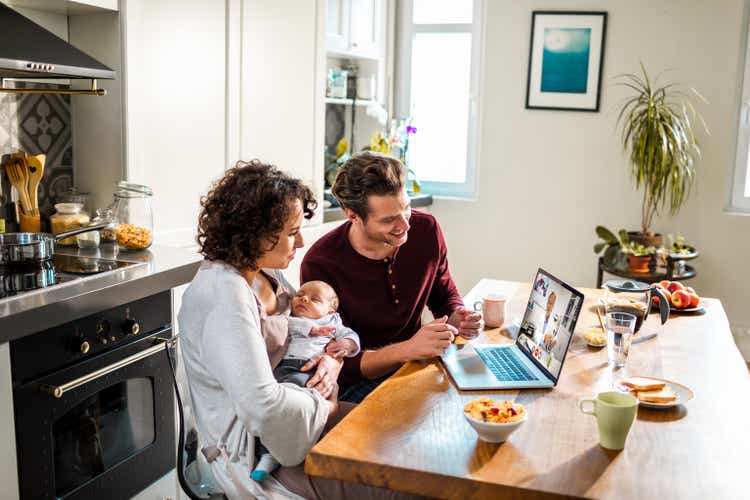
column 234, row 394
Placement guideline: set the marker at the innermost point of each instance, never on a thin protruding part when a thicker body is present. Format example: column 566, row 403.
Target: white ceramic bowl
column 494, row 432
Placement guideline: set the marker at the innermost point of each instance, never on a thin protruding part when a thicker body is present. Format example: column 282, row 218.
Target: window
column 437, row 84
column 740, row 197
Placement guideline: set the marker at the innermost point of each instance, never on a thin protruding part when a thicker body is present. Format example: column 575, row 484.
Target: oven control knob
column 131, row 327
column 102, row 328
column 84, row 347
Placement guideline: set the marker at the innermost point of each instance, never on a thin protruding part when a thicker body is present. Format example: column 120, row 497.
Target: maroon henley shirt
column 382, row 300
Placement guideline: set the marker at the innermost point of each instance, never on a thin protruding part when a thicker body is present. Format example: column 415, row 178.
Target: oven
column 94, row 404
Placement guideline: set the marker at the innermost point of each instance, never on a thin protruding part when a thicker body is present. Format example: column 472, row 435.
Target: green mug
column 615, row 413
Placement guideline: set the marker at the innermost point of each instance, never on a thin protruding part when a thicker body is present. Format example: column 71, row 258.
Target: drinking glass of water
column 620, row 327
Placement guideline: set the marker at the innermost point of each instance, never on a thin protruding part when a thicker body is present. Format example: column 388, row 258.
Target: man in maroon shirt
column 387, row 262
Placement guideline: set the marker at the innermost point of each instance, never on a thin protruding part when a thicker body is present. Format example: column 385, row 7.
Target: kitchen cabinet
column 175, row 67
column 365, row 27
column 283, row 85
column 337, row 25
column 8, row 468
column 157, row 125
column 200, row 85
column 356, row 28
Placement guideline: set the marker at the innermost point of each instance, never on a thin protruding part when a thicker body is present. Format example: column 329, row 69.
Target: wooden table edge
column 428, row 484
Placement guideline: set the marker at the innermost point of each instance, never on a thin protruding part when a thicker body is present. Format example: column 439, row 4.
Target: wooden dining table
column 410, row 434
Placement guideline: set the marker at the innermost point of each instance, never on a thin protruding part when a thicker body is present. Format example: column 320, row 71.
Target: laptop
column 536, row 358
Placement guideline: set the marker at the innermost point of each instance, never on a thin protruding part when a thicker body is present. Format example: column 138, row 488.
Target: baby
column 314, row 327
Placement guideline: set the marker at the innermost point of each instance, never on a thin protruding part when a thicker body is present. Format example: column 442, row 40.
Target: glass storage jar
column 103, row 215
column 68, row 216
column 134, row 218
column 88, row 240
column 73, row 195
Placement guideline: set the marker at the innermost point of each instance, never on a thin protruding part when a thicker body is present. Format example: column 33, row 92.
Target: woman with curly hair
column 233, row 334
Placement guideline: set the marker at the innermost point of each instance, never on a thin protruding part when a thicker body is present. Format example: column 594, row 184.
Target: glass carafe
column 633, row 297
column 134, row 218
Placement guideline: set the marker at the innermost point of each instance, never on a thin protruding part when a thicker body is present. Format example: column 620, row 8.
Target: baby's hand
column 322, row 331
column 340, row 348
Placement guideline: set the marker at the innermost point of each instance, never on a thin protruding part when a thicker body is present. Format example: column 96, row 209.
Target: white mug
column 493, row 310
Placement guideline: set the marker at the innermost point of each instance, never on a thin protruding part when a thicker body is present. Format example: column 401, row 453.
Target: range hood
column 29, row 51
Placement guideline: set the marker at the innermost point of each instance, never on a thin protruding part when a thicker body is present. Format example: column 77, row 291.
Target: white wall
column 549, row 177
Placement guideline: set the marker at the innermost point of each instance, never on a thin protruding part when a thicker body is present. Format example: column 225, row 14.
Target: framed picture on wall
column 566, row 55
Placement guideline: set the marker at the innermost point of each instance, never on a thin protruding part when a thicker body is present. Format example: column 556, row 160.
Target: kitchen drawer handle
column 59, row 390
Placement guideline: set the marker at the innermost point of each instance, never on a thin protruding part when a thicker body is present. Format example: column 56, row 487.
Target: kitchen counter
column 158, row 269
column 332, row 214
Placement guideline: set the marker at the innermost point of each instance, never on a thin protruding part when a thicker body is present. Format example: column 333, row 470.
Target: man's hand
column 431, row 340
column 341, row 348
column 468, row 323
column 326, row 375
column 322, row 331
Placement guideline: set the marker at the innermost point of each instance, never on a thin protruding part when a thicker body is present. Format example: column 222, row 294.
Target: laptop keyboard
column 504, row 365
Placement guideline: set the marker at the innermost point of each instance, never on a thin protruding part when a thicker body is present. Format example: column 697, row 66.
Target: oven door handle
column 59, row 390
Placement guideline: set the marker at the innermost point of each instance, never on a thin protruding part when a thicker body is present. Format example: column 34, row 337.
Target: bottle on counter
column 134, row 218
column 68, row 216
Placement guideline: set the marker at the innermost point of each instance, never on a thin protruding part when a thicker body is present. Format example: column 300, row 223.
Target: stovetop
column 24, row 278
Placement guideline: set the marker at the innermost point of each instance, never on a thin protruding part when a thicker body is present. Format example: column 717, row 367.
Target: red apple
column 659, row 286
column 694, row 299
column 690, row 289
column 681, row 299
column 665, row 284
column 674, row 286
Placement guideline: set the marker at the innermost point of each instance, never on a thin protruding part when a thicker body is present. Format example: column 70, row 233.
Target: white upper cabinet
column 282, row 86
column 175, row 72
column 356, row 28
column 337, row 25
column 364, row 27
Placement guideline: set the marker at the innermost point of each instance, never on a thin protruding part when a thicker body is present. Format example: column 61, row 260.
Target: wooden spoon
column 20, row 181
column 35, row 167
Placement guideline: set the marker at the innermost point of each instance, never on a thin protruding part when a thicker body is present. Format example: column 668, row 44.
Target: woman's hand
column 326, row 375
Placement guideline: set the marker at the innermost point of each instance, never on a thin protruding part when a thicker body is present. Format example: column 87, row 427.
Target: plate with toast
column 655, row 392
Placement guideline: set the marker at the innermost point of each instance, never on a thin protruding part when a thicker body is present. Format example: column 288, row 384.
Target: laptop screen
column 549, row 322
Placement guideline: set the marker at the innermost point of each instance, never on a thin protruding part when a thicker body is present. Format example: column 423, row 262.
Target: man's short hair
column 366, row 174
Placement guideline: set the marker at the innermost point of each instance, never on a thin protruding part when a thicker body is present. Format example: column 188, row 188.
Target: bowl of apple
column 681, row 298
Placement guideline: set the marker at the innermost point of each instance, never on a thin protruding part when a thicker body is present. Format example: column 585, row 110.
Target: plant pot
column 646, row 239
column 639, row 263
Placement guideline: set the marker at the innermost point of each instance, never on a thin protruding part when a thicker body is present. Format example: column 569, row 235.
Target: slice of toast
column 642, row 384
column 663, row 395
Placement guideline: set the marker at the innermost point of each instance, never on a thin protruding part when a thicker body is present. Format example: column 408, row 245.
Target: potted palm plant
column 658, row 135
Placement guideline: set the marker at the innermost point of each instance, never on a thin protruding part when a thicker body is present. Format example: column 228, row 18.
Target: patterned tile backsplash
column 38, row 123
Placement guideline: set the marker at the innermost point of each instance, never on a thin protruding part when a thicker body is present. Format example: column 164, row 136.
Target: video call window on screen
column 545, row 329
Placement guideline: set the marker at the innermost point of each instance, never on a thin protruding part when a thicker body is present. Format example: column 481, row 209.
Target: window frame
column 738, row 202
column 406, row 29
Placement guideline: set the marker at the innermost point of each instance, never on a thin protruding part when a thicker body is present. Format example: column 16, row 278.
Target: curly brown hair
column 366, row 174
column 244, row 212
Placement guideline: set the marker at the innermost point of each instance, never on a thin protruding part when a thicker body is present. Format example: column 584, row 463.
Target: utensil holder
column 29, row 223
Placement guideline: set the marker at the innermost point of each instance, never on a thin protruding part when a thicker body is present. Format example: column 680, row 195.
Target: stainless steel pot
column 20, row 248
